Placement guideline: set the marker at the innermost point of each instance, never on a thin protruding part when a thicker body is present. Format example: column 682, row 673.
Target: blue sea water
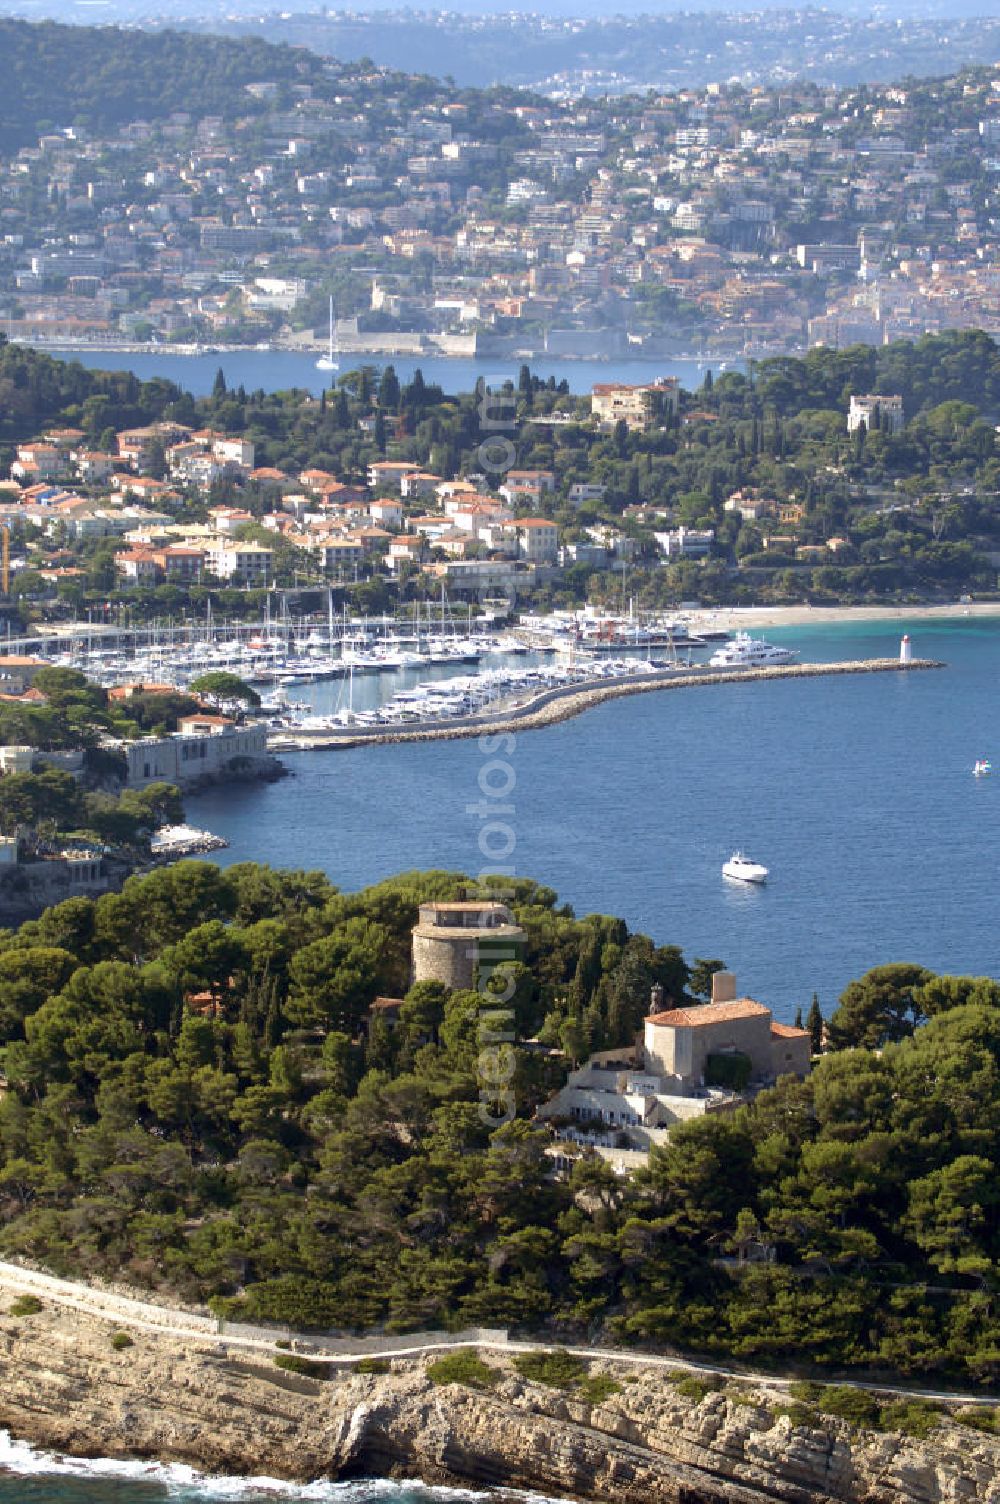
column 856, row 791
column 279, row 370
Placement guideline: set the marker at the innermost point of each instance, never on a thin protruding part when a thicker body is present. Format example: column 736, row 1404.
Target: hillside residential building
column 876, row 412
column 613, row 402
column 686, row 542
column 242, row 563
column 537, row 539
column 622, row 1102
column 389, row 472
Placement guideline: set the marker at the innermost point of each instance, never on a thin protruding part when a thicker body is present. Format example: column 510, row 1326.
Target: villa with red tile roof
column 689, row 1061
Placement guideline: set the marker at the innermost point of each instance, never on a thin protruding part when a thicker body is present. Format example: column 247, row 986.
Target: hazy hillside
column 619, row 52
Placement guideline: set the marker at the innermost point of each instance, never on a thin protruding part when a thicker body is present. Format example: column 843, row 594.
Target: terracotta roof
column 788, row 1031
column 710, row 1013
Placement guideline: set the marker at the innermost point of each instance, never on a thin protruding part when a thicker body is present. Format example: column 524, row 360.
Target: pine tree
column 389, row 390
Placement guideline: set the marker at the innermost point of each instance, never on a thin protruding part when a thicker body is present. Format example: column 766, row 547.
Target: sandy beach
column 732, row 618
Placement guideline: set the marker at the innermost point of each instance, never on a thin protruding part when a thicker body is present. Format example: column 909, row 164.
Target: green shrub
column 979, row 1418
column 121, row 1340
column 25, row 1305
column 805, row 1391
column 557, row 1369
column 598, row 1388
column 730, row 1071
column 853, row 1405
column 799, row 1415
column 917, row 1418
column 463, row 1368
column 741, row 1394
column 696, row 1386
column 309, row 1369
column 372, row 1365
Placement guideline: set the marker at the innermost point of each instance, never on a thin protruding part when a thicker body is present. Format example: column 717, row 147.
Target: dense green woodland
column 79, row 715
column 918, row 511
column 108, row 76
column 193, row 1102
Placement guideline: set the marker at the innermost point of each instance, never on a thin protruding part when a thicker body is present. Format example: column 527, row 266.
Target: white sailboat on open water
column 329, row 362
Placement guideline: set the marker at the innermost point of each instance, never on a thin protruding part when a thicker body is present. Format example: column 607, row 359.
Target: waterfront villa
column 204, row 747
column 688, row 1062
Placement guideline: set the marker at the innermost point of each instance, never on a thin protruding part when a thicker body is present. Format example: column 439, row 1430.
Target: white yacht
column 745, row 651
column 743, row 869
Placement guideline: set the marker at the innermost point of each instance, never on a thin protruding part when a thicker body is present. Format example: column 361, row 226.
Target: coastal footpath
column 93, row 1383
column 555, row 705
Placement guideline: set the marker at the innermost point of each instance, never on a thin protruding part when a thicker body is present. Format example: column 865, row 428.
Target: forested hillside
column 197, row 1101
column 98, row 78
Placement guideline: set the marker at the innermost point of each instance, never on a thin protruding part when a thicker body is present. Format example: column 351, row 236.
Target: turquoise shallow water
column 856, row 791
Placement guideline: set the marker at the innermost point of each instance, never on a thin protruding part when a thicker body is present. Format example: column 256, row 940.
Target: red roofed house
column 690, row 1061
column 537, row 538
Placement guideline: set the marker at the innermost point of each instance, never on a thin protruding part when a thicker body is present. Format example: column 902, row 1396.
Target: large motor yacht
column 745, row 651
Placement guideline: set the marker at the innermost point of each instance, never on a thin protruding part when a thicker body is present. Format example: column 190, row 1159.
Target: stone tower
column 451, row 940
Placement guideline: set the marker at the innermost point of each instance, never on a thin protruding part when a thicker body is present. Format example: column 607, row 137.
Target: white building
column 690, row 1061
column 241, row 563
column 537, row 539
column 203, row 746
column 686, row 542
column 876, row 412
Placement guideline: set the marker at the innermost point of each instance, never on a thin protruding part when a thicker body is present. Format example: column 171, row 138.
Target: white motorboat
column 983, row 767
column 745, row 651
column 743, row 870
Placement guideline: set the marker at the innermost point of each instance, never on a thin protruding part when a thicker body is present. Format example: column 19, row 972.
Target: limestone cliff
column 65, row 1387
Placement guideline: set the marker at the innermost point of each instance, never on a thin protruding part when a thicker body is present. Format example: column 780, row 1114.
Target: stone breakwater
column 65, row 1387
column 555, row 705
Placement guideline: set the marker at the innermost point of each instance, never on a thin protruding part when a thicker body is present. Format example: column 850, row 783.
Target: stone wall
column 450, row 959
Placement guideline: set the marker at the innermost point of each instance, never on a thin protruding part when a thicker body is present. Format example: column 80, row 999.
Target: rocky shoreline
column 71, row 1385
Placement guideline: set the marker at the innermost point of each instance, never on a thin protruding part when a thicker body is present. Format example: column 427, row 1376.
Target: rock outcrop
column 67, row 1387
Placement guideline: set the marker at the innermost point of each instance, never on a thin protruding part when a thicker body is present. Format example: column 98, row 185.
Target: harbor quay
column 562, row 703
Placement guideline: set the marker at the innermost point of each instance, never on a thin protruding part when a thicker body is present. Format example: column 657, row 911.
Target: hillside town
column 726, row 220
column 192, row 510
